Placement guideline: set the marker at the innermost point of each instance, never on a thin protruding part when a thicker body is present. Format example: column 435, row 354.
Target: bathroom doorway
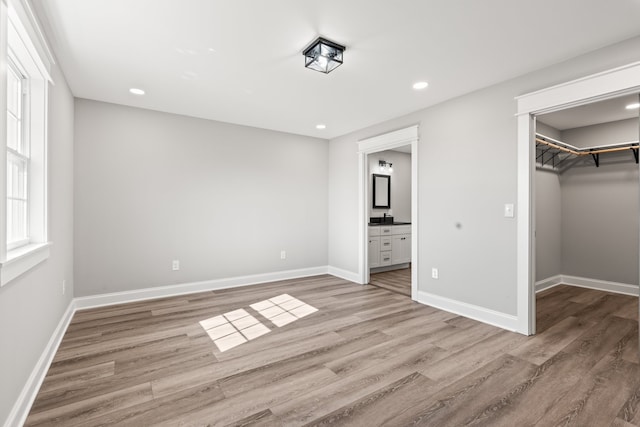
column 389, row 219
column 405, row 235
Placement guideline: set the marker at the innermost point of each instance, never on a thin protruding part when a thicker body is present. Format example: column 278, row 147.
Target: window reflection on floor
column 236, row 327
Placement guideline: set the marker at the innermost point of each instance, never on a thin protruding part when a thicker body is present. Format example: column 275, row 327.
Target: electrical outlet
column 175, row 266
column 434, row 273
column 64, row 287
column 283, row 254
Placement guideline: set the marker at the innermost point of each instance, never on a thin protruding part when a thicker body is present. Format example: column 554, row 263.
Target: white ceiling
column 610, row 110
column 240, row 61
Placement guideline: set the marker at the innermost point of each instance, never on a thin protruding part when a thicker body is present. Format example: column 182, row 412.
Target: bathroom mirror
column 381, row 191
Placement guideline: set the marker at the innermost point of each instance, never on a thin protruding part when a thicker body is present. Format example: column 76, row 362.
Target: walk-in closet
column 587, row 213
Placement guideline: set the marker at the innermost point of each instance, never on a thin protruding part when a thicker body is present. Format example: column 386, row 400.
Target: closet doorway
column 586, row 214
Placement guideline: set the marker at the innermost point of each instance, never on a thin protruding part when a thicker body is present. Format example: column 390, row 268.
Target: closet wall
column 548, row 216
column 587, row 218
column 600, row 207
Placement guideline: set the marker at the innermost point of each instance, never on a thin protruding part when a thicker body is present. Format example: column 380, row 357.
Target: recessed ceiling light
column 633, row 106
column 321, row 126
column 136, row 91
column 420, row 85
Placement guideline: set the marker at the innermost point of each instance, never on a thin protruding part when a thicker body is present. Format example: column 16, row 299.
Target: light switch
column 508, row 210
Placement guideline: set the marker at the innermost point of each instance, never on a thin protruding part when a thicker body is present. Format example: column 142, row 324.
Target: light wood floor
column 398, row 281
column 366, row 357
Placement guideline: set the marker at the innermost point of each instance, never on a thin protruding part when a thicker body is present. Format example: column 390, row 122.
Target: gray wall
column 467, row 172
column 548, row 216
column 400, row 184
column 223, row 199
column 32, row 305
column 600, row 208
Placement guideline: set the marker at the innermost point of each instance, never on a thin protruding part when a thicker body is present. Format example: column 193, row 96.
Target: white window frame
column 24, row 138
column 22, row 40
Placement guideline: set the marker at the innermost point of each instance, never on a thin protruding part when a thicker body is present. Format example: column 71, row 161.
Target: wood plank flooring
column 398, row 281
column 366, row 357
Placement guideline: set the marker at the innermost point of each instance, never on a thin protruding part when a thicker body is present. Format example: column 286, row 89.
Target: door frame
column 616, row 82
column 387, row 141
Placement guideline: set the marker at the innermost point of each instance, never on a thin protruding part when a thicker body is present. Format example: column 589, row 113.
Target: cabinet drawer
column 385, row 243
column 385, row 258
column 374, row 231
column 386, row 230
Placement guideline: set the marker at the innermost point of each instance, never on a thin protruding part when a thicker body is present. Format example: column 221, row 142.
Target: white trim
column 607, row 84
column 21, row 408
column 524, row 245
column 548, row 283
column 344, row 274
column 375, row 144
column 25, row 32
column 392, row 267
column 102, row 300
column 23, row 404
column 22, row 259
column 481, row 314
column 601, row 285
column 585, row 282
column 604, row 85
column 388, row 140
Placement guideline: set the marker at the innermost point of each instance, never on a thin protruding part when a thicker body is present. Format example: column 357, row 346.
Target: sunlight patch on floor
column 283, row 309
column 236, row 327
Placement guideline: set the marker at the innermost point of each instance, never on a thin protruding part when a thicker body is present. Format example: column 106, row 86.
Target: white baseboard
column 344, row 274
column 601, row 285
column 481, row 314
column 102, row 300
column 390, row 268
column 584, row 282
column 548, row 283
column 21, row 408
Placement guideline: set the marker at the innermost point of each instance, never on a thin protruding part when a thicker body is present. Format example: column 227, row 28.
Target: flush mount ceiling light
column 136, row 91
column 323, row 55
column 633, row 106
column 385, row 167
column 321, row 126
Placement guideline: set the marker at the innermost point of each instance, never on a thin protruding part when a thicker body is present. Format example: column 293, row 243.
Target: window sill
column 22, row 259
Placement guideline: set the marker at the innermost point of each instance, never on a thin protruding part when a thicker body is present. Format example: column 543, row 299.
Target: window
column 17, row 161
column 23, row 124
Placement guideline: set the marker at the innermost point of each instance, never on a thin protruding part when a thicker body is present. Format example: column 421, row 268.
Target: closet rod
column 562, row 146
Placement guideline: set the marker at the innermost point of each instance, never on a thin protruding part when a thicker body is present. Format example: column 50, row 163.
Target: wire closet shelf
column 560, row 156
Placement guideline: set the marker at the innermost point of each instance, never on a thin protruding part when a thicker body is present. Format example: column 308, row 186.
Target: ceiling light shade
column 136, row 91
column 420, row 85
column 323, row 55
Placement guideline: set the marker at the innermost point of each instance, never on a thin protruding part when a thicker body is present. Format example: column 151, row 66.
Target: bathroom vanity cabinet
column 389, row 245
